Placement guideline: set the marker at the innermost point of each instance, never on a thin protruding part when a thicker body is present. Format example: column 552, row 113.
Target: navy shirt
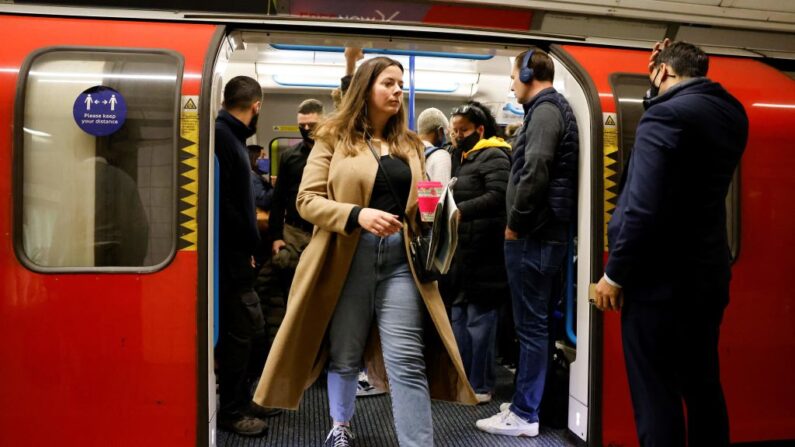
column 238, row 234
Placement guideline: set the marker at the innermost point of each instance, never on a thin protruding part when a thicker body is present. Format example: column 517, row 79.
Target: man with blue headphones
column 541, row 204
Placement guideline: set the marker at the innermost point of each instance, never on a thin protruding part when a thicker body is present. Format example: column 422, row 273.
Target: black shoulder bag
column 419, row 245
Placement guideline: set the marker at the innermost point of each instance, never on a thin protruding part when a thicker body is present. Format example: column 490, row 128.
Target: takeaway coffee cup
column 428, row 194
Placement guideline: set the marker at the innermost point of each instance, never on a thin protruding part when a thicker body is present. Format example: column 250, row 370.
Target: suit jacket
column 332, row 185
column 668, row 232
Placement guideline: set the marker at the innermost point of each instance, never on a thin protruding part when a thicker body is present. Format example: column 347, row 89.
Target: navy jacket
column 262, row 191
column 668, row 232
column 238, row 232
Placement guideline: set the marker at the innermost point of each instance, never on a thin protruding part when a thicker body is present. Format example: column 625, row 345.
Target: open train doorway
column 292, row 67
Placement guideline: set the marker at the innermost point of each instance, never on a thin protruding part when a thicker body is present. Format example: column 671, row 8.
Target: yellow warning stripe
column 610, row 154
column 189, row 173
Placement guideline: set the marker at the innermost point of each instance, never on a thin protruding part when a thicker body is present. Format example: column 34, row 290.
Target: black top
column 291, row 170
column 382, row 198
column 238, row 221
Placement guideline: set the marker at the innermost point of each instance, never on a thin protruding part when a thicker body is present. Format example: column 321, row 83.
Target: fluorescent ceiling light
column 333, row 72
column 36, row 133
column 88, row 82
column 141, row 77
column 328, row 82
column 774, row 106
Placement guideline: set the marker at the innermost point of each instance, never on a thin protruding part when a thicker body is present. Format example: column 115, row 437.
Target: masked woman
column 478, row 282
column 354, row 286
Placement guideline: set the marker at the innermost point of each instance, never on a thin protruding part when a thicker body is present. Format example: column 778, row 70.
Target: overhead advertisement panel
column 371, row 11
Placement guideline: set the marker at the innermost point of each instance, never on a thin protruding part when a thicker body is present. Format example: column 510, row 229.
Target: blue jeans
column 532, row 267
column 475, row 329
column 380, row 285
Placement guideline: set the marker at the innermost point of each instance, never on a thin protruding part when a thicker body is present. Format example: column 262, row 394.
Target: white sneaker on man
column 507, row 423
column 483, row 398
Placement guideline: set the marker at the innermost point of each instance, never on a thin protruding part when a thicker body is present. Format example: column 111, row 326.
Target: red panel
column 94, row 360
column 480, row 17
column 757, row 346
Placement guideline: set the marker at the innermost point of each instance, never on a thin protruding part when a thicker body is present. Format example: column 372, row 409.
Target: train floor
column 454, row 425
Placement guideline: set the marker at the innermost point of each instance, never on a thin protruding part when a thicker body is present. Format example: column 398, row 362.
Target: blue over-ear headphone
column 525, row 72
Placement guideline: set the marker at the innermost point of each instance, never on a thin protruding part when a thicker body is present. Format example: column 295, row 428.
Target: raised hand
column 658, row 46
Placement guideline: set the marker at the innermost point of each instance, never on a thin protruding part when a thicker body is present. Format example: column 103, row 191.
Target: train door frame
column 585, row 375
column 217, row 55
column 586, row 370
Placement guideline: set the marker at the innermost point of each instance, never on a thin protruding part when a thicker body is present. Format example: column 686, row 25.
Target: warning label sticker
column 188, row 172
column 610, row 154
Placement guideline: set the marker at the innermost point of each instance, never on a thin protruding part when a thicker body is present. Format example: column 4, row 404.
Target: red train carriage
column 103, row 342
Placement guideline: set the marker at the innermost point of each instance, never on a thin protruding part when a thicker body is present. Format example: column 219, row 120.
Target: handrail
column 570, row 301
column 411, row 92
column 331, row 49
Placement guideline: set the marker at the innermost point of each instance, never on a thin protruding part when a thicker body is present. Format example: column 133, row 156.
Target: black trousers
column 241, row 324
column 671, row 353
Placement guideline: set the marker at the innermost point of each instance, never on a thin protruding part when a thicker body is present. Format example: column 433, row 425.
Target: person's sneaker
column 364, row 388
column 339, row 436
column 507, row 423
column 483, row 398
column 244, row 426
column 262, row 412
column 504, row 406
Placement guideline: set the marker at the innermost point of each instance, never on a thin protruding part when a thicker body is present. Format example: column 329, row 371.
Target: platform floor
column 454, row 425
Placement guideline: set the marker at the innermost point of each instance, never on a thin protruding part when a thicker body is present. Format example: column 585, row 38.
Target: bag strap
column 430, row 150
column 386, row 176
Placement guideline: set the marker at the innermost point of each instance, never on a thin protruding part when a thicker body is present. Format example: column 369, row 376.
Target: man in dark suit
column 669, row 266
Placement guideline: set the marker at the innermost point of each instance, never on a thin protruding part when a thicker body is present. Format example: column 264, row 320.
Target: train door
column 756, row 348
column 296, row 65
column 98, row 309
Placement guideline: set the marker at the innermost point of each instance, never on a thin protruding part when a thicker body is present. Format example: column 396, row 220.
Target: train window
column 628, row 90
column 96, row 160
column 276, row 148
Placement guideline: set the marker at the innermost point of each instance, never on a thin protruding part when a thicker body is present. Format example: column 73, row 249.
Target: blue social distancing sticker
column 100, row 111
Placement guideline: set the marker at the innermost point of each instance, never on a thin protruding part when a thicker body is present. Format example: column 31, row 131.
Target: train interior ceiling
column 295, row 67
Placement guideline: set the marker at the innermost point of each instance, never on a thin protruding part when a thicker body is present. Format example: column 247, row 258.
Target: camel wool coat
column 332, row 185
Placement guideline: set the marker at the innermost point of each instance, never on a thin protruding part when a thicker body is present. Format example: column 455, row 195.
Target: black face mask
column 469, row 142
column 441, row 138
column 253, row 124
column 653, row 90
column 306, row 134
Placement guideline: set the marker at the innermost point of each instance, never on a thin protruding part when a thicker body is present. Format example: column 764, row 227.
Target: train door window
column 95, row 175
column 628, row 90
column 276, row 148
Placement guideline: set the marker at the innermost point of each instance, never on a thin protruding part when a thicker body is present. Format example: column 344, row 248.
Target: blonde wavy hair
column 349, row 126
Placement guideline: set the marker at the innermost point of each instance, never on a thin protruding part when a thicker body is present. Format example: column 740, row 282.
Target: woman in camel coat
column 355, row 294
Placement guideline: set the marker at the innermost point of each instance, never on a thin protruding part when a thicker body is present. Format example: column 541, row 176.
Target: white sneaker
column 365, row 389
column 483, row 398
column 507, row 423
column 504, row 406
